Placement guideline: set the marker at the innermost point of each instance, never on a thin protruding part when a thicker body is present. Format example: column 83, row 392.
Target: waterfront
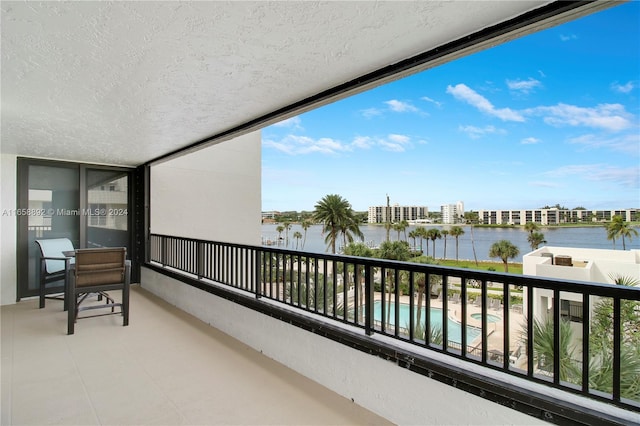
column 581, row 237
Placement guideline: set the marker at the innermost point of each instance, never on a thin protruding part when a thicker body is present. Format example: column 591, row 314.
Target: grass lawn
column 514, row 268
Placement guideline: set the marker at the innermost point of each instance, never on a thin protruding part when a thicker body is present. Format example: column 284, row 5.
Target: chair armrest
column 54, row 258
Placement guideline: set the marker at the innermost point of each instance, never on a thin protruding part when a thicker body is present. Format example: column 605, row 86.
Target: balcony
column 349, row 300
column 166, row 367
column 200, row 177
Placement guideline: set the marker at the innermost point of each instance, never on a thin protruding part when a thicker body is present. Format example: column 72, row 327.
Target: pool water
column 490, row 318
column 454, row 328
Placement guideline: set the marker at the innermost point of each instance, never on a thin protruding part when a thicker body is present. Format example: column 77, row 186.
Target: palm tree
column 393, row 250
column 336, row 215
column 404, row 225
column 471, row 218
column 535, row 239
column 388, row 226
column 543, row 348
column 398, row 227
column 413, row 235
column 280, row 230
column 531, row 227
column 611, row 235
column 444, row 233
column 456, row 232
column 434, row 234
column 619, row 228
column 306, row 223
column 287, row 227
column 359, row 249
column 434, row 280
column 504, row 249
column 601, row 344
column 421, row 232
column 297, row 235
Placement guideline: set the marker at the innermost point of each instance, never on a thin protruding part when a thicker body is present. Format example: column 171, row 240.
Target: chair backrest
column 100, row 266
column 53, row 247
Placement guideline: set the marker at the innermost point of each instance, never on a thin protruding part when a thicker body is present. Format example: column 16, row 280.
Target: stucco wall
column 213, row 194
column 397, row 394
column 8, row 228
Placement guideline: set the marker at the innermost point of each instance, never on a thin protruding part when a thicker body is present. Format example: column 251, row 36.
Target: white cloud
column 530, row 141
column 298, row 145
column 301, row 145
column 624, row 88
column 567, row 37
column 402, row 139
column 290, row 122
column 428, row 99
column 524, row 86
column 477, row 132
column 279, row 146
column 363, row 142
column 464, row 93
column 394, row 142
column 370, row 112
column 612, row 117
column 629, row 177
column 629, row 143
column 400, row 106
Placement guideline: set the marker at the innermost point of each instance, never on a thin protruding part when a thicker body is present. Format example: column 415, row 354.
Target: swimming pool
column 454, row 328
column 490, row 318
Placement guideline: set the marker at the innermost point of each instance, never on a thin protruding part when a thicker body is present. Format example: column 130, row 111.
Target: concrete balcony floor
column 165, row 368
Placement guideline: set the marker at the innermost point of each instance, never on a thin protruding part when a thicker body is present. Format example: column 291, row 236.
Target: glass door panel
column 53, row 203
column 107, row 208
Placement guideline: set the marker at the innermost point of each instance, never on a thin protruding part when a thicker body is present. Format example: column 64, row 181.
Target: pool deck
column 495, row 338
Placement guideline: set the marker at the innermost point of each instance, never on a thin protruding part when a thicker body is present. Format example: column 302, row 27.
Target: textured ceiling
column 127, row 82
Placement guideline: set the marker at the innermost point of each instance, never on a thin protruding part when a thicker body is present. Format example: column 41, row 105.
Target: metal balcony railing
column 510, row 323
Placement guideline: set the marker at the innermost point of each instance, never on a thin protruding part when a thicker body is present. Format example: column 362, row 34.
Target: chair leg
column 42, row 282
column 125, row 304
column 65, row 303
column 71, row 311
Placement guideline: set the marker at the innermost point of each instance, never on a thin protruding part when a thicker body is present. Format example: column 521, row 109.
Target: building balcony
column 165, row 368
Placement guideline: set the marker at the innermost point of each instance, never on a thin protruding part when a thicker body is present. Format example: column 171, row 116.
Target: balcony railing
column 510, row 323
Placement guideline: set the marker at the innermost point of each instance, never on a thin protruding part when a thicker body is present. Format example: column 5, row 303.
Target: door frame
column 22, row 202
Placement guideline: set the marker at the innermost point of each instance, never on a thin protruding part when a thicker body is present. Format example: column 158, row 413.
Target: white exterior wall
column 395, row 393
column 212, row 194
column 602, row 266
column 8, row 229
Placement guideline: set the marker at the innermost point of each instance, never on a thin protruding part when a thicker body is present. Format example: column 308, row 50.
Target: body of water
column 585, row 237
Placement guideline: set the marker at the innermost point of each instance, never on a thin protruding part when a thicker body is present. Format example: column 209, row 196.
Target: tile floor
column 165, row 368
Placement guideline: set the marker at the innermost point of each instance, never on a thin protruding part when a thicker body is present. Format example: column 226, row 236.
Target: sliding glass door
column 87, row 204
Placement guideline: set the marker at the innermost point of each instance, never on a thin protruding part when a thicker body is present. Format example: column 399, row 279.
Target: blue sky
column 550, row 118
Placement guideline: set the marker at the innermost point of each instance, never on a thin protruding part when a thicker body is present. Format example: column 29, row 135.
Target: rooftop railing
column 580, row 337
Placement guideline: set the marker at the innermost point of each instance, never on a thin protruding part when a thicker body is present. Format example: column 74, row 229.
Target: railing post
column 617, row 341
column 259, row 261
column 200, row 259
column 368, row 300
column 163, row 255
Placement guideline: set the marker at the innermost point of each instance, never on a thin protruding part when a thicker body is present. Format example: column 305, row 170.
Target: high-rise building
column 397, row 213
column 451, row 213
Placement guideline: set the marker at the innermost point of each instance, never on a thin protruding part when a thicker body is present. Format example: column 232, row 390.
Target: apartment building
column 397, row 213
column 451, row 213
column 553, row 216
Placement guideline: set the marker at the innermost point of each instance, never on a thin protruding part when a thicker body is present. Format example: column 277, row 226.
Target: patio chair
column 54, row 267
column 99, row 271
